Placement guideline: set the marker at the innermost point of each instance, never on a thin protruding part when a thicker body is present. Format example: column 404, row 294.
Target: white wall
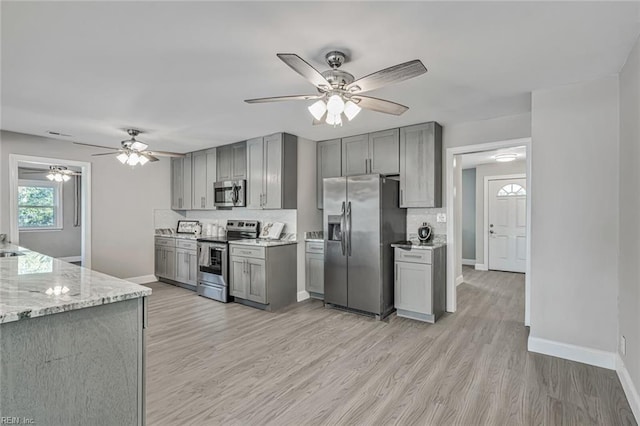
column 629, row 231
column 123, row 202
column 469, row 214
column 483, row 170
column 574, row 188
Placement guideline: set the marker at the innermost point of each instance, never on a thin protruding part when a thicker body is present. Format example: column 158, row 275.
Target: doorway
column 508, row 223
column 38, row 195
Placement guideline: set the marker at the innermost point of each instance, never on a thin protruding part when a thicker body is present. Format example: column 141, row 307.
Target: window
column 511, row 190
column 39, row 205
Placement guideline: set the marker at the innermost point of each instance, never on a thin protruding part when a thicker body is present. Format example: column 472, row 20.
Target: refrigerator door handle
column 342, row 230
column 349, row 229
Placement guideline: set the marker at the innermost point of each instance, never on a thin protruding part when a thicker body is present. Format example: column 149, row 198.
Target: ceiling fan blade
column 105, row 153
column 150, row 157
column 303, row 68
column 139, row 146
column 387, row 76
column 95, row 146
column 283, row 98
column 163, row 154
column 379, row 105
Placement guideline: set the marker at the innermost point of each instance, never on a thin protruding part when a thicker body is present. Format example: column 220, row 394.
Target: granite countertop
column 417, row 245
column 314, row 239
column 178, row 236
column 263, row 243
column 35, row 285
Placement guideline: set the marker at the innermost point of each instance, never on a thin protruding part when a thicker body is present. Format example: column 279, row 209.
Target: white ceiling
column 180, row 71
column 472, row 160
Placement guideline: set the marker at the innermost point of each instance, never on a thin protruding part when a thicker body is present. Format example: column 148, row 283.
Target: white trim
column 481, row 267
column 451, row 243
column 485, row 198
column 144, row 279
column 629, row 388
column 459, row 280
column 582, row 354
column 469, row 262
column 70, row 259
column 303, row 295
column 85, row 179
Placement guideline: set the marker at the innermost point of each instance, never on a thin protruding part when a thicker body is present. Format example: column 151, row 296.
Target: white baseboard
column 629, row 388
column 459, row 280
column 303, row 295
column 70, row 259
column 469, row 262
column 145, row 279
column 481, row 267
column 581, row 354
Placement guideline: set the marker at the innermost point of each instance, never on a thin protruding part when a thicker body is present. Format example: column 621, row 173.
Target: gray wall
column 469, row 214
column 629, row 232
column 574, row 188
column 59, row 243
column 495, row 169
column 123, row 201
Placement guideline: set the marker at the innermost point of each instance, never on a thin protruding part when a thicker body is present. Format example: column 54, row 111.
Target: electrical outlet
column 623, row 345
column 441, row 217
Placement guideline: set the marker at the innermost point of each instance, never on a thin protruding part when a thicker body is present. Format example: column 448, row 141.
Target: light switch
column 441, row 217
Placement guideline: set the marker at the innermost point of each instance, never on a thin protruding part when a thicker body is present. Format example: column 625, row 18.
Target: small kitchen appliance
column 424, row 232
column 230, row 193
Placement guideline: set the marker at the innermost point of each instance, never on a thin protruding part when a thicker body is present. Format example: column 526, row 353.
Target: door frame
column 486, row 212
column 85, row 215
column 454, row 239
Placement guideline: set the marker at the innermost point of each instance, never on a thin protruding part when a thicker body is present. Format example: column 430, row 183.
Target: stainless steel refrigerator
column 361, row 220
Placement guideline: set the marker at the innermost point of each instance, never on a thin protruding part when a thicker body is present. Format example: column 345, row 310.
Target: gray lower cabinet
column 329, row 164
column 231, row 162
column 203, row 174
column 165, row 258
column 186, row 266
column 420, row 283
column 176, row 260
column 263, row 277
column 181, row 183
column 421, row 165
column 314, row 269
column 272, row 173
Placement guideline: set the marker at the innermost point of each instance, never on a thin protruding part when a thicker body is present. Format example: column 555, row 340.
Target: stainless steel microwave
column 230, row 193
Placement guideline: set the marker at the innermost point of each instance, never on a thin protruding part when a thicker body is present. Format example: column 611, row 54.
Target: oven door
column 212, row 263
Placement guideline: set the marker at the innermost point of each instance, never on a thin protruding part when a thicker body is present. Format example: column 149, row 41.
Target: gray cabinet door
column 329, row 163
column 239, row 161
column 159, row 262
column 199, row 180
column 193, row 267
column 177, row 184
column 314, row 267
column 413, row 288
column 237, row 277
column 212, row 163
column 257, row 280
column 355, row 155
column 182, row 266
column 421, row 165
column 170, row 263
column 223, row 160
column 384, row 152
column 255, row 173
column 272, row 181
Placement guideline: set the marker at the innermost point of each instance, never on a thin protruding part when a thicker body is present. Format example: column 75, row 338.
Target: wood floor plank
column 210, row 363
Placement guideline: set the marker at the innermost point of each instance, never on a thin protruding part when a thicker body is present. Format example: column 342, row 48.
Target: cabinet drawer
column 245, row 251
column 315, row 247
column 186, row 244
column 413, row 256
column 165, row 242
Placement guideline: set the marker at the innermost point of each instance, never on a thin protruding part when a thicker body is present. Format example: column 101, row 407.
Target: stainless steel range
column 213, row 259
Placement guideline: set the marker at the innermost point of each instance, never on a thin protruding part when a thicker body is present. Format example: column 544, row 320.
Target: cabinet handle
column 180, row 202
column 401, row 198
column 396, row 279
column 370, row 166
column 413, row 256
column 365, row 166
column 202, row 202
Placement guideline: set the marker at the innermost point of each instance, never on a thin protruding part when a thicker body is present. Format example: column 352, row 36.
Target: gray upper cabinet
column 421, row 165
column 384, row 152
column 181, row 183
column 232, row 162
column 203, row 176
column 355, row 155
column 273, row 172
column 329, row 163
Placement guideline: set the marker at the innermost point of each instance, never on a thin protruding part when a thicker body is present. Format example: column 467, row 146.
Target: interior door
column 507, row 224
column 335, row 264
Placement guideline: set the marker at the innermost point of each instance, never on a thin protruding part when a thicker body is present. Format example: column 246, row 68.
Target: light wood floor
column 210, row 363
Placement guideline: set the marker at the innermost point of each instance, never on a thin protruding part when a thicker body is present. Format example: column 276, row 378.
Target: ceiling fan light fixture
column 506, row 157
column 51, row 176
column 335, row 105
column 138, row 146
column 122, row 157
column 318, row 109
column 351, row 110
column 66, row 177
column 334, row 120
column 143, row 159
column 133, row 159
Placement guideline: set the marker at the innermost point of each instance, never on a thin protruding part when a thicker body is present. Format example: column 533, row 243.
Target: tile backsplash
column 415, row 218
column 288, row 217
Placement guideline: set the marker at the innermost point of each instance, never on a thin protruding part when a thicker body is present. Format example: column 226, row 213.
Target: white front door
column 507, row 225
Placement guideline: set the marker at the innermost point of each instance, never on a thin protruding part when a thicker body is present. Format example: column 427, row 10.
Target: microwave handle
column 234, row 194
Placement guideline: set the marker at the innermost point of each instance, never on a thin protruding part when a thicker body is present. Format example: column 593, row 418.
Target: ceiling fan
column 56, row 173
column 339, row 93
column 132, row 151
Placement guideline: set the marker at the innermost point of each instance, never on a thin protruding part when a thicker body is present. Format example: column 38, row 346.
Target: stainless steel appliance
column 424, row 232
column 361, row 220
column 213, row 259
column 229, row 193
